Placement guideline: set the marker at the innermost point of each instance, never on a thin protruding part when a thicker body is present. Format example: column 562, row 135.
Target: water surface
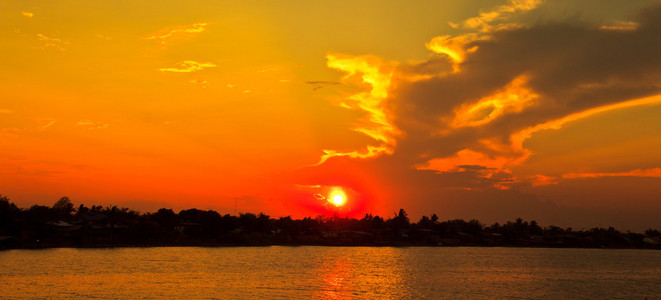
column 330, row 273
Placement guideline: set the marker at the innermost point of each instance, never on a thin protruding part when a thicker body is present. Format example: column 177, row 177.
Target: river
column 330, row 273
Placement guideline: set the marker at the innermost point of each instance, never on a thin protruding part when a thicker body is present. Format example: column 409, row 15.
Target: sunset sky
column 545, row 110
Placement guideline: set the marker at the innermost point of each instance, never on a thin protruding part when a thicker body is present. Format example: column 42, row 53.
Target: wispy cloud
column 202, row 83
column 44, row 123
column 27, row 14
column 320, row 84
column 484, row 20
column 377, row 74
column 54, row 42
column 6, row 111
column 654, row 172
column 171, row 32
column 267, row 70
column 487, row 22
column 621, row 25
column 101, row 36
column 91, row 125
column 188, row 66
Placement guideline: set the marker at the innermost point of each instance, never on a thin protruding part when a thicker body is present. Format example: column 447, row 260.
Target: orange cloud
column 518, row 138
column 370, row 151
column 44, row 123
column 486, row 121
column 202, row 83
column 454, row 46
column 188, row 66
column 464, row 157
column 539, row 180
column 377, row 74
column 513, row 98
column 621, row 26
column 27, row 14
column 53, row 42
column 92, row 124
column 512, row 152
column 654, row 172
column 170, row 32
column 503, row 12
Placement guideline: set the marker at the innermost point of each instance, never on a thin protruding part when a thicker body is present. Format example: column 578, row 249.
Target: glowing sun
column 337, row 197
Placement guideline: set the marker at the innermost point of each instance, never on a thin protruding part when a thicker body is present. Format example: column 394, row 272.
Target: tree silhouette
column 63, row 208
column 40, row 226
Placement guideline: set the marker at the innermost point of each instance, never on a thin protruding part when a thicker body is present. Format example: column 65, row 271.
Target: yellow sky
column 199, row 103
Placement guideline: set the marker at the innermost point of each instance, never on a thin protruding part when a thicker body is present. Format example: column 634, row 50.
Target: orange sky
column 545, row 110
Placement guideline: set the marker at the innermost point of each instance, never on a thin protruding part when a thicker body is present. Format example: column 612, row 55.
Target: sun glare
column 337, row 197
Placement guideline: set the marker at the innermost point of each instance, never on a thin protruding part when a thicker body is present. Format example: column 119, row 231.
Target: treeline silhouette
column 64, row 225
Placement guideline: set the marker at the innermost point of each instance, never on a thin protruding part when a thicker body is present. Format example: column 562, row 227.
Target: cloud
column 202, row 83
column 267, row 70
column 621, row 25
column 455, row 47
column 6, row 111
column 44, row 123
column 101, row 36
column 188, row 66
column 171, row 32
column 501, row 13
column 27, row 14
column 91, row 125
column 513, row 98
column 654, row 172
column 320, row 84
column 518, row 82
column 448, row 132
column 377, row 74
column 447, row 135
column 54, row 42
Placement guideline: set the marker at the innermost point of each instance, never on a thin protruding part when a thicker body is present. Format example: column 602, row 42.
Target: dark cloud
column 572, row 67
column 320, row 84
column 569, row 67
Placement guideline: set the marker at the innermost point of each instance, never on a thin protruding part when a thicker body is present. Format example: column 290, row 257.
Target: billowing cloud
column 454, row 126
column 521, row 81
column 188, row 66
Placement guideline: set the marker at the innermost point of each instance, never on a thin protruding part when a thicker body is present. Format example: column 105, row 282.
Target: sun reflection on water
column 342, row 276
